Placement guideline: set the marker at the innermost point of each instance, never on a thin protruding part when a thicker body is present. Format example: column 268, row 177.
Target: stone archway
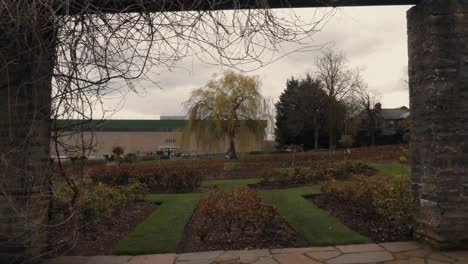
column 438, row 67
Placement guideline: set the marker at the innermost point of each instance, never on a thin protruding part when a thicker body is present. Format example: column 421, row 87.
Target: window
column 170, row 140
column 390, row 123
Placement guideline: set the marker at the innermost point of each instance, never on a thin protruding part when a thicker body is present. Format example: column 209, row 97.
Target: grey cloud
column 372, row 38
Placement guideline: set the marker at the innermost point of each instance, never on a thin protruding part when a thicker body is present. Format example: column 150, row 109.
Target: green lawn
column 317, row 226
column 230, row 183
column 389, row 169
column 163, row 230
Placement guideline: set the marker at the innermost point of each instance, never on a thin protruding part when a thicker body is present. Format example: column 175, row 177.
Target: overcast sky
column 373, row 38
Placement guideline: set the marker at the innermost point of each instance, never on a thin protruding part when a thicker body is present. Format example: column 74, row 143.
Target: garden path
column 386, row 253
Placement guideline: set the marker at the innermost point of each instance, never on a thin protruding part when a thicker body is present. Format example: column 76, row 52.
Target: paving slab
column 108, row 260
column 199, row 255
column 360, row 248
column 265, row 260
column 362, row 257
column 418, row 253
column 407, row 261
column 458, row 255
column 256, row 253
column 440, row 257
column 153, row 259
column 400, row 256
column 388, row 253
column 300, row 250
column 295, row 258
column 433, row 261
column 401, row 246
column 68, row 260
column 195, row 261
column 226, row 257
column 323, row 255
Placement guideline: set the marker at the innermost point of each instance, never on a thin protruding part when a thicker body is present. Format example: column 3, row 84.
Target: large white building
column 141, row 137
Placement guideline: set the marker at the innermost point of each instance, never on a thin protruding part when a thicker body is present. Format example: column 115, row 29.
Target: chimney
column 378, row 107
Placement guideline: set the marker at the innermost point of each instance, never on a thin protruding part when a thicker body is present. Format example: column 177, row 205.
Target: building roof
column 125, row 125
column 394, row 113
column 119, row 125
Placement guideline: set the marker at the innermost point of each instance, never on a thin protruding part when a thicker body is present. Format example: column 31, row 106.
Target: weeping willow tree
column 229, row 108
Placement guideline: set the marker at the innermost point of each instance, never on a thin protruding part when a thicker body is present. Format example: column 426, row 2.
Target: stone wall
column 438, row 74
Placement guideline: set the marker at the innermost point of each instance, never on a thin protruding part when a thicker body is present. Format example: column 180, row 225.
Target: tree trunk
column 232, row 149
column 25, row 98
column 316, row 133
column 331, row 128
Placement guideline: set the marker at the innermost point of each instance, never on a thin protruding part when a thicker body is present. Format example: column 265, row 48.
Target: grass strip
column 230, row 183
column 391, row 169
column 317, row 226
column 163, row 230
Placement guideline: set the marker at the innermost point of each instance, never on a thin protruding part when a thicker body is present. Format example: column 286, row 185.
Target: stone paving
column 385, row 253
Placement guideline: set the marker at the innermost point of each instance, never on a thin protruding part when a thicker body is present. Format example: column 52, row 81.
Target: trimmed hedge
column 316, row 172
column 176, row 178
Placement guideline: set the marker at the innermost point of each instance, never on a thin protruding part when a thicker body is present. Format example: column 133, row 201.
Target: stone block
column 153, row 259
column 199, row 255
column 360, row 248
column 301, row 250
column 363, row 257
column 295, row 258
column 401, row 246
column 323, row 255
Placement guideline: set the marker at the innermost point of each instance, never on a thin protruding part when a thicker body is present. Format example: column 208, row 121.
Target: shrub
column 347, row 141
column 101, row 201
column 176, row 178
column 315, row 172
column 233, row 213
column 182, row 179
column 228, row 166
column 95, row 202
column 390, row 197
column 404, row 154
column 113, row 175
column 347, row 169
column 394, row 200
column 276, row 175
column 130, row 158
column 148, row 157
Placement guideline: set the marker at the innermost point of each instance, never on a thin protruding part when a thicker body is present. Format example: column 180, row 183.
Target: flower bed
column 95, row 217
column 237, row 219
column 311, row 173
column 383, row 203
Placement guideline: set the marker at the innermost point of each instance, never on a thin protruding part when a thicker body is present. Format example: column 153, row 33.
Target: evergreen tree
column 301, row 113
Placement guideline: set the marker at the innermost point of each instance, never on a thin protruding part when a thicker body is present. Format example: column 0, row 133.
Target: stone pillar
column 438, row 75
column 26, row 64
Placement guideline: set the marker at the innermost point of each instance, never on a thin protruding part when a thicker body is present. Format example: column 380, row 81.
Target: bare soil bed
column 281, row 236
column 365, row 222
column 100, row 239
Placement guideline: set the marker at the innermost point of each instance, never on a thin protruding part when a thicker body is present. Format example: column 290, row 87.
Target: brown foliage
column 314, row 172
column 234, row 213
column 174, row 178
column 390, row 197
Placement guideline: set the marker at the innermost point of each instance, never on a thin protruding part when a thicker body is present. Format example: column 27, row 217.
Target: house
column 388, row 123
column 391, row 120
